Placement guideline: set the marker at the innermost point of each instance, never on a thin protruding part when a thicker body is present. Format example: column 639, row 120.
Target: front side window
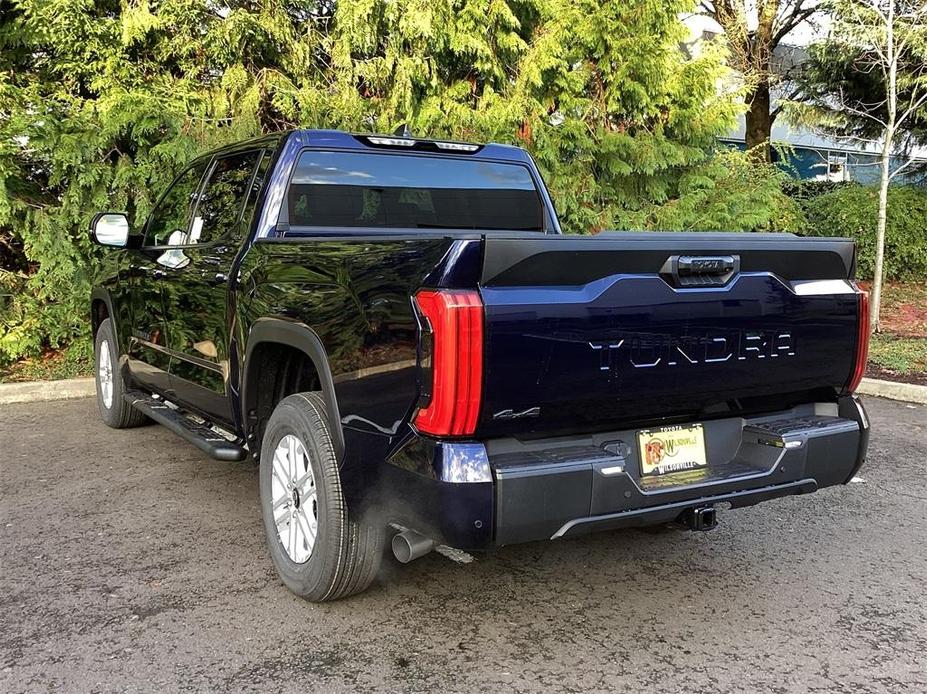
column 346, row 189
column 170, row 219
column 220, row 206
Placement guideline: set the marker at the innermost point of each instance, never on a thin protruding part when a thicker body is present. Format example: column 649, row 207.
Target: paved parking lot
column 130, row 562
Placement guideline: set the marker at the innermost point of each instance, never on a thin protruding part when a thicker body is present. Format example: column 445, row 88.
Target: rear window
column 346, row 189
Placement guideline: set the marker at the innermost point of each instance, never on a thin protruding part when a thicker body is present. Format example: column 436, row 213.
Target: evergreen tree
column 102, row 101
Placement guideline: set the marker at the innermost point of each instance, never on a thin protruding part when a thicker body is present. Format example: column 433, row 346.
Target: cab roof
column 339, row 139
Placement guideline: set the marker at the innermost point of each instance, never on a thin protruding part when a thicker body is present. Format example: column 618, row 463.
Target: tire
column 114, row 410
column 298, row 468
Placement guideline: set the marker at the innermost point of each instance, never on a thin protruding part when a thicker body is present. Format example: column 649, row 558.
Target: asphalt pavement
column 131, row 562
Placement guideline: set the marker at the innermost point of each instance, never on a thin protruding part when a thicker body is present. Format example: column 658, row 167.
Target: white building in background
column 804, row 153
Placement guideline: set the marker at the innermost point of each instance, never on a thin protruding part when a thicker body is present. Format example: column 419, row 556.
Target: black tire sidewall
column 315, row 577
column 112, row 415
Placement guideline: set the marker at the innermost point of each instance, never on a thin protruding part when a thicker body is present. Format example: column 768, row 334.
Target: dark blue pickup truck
column 398, row 331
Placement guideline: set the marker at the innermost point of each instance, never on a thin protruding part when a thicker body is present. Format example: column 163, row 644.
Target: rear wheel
column 320, row 553
column 114, row 410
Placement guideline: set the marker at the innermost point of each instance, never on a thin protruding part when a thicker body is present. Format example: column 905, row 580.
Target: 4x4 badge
column 512, row 414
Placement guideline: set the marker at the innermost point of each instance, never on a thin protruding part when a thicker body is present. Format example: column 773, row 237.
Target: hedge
column 852, row 211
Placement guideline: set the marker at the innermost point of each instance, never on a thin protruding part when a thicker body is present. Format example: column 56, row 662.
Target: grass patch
column 902, row 355
column 53, row 365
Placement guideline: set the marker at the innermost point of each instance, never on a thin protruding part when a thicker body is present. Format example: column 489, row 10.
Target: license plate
column 671, row 449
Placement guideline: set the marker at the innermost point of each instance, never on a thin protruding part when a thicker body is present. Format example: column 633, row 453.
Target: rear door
column 196, row 287
column 584, row 332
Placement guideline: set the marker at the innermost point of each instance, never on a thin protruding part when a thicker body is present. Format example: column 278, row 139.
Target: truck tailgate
column 639, row 327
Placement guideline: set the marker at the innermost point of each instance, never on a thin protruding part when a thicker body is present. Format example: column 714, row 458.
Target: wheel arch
column 101, row 308
column 299, row 337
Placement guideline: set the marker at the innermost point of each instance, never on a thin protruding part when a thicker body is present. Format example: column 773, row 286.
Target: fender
column 299, row 336
column 101, row 294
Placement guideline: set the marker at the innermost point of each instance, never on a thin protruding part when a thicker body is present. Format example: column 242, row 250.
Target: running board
column 199, row 433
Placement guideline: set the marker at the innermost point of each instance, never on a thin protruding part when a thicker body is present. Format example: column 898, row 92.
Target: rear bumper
column 556, row 489
column 552, row 488
column 667, row 513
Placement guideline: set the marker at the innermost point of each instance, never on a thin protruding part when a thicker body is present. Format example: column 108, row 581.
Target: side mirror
column 110, row 229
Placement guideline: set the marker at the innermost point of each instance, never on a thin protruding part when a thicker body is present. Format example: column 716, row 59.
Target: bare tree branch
column 913, row 18
column 798, row 15
column 845, row 106
column 912, row 108
column 795, row 93
column 907, row 163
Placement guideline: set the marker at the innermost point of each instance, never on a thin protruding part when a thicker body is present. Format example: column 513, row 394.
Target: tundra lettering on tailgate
column 647, row 350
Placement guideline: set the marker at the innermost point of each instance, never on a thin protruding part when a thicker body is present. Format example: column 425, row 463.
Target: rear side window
column 220, row 207
column 346, row 189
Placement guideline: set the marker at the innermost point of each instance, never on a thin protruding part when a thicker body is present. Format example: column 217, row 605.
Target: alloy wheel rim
column 295, row 499
column 105, row 370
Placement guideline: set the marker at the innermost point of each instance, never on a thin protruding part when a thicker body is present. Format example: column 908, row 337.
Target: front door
column 146, row 346
column 196, row 291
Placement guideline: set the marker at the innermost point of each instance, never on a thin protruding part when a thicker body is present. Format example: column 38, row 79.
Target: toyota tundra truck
column 398, row 332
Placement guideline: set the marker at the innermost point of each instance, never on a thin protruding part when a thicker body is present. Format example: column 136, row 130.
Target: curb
column 38, row 391
column 909, row 392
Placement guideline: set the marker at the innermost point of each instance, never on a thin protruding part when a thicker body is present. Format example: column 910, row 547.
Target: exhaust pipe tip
column 410, row 545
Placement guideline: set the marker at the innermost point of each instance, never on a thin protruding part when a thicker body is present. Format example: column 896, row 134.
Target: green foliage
column 102, row 102
column 852, row 211
column 903, row 355
column 74, row 361
column 99, row 106
column 729, row 192
column 807, row 189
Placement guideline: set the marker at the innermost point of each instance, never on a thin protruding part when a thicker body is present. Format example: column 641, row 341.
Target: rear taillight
column 862, row 343
column 453, row 362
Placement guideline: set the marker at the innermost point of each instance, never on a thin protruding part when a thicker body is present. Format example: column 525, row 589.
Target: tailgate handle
column 705, row 264
column 700, row 270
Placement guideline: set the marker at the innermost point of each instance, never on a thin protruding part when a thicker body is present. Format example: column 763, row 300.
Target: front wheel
column 114, row 410
column 320, row 553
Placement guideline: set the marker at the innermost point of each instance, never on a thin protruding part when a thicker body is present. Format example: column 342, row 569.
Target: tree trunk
column 758, row 123
column 888, row 137
column 884, row 179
